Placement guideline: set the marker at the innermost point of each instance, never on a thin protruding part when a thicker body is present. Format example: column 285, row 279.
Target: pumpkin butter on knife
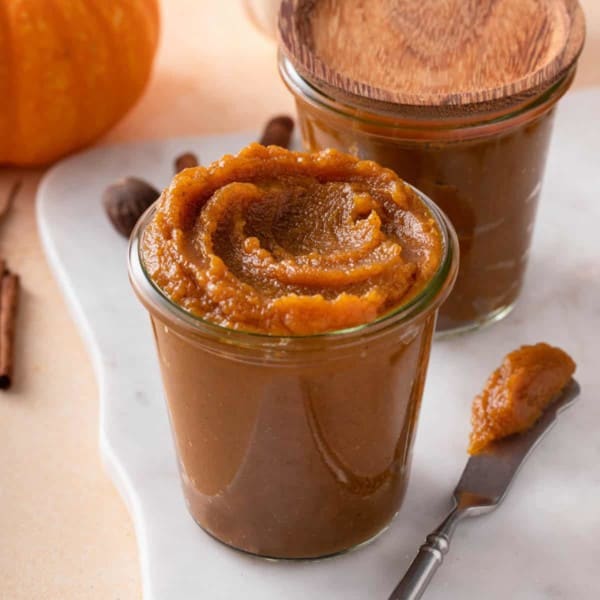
column 518, row 392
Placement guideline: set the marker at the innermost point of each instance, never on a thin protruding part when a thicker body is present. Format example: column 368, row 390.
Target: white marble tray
column 543, row 543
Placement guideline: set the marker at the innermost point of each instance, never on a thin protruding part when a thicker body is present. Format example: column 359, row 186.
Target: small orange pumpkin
column 69, row 70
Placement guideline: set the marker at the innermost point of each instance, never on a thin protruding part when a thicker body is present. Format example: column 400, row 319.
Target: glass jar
column 484, row 172
column 294, row 447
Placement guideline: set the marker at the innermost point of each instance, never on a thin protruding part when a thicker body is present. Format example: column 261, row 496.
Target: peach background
column 65, row 531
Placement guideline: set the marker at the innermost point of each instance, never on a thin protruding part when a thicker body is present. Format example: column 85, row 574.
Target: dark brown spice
column 278, row 131
column 186, row 161
column 126, row 200
column 9, row 297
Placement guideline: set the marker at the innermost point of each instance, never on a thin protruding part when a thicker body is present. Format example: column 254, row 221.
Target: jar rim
column 395, row 116
column 427, row 299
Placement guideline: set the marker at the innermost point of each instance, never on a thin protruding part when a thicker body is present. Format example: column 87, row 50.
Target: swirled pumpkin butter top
column 290, row 243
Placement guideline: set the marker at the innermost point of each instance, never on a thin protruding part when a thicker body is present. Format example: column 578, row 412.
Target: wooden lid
column 432, row 56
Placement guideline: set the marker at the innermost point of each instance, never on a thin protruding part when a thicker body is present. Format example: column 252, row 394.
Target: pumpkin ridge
column 151, row 30
column 104, row 25
column 68, row 45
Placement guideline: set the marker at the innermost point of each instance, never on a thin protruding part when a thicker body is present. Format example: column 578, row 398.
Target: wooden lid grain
column 432, row 56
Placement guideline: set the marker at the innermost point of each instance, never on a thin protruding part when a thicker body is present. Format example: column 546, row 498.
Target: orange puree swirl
column 290, row 243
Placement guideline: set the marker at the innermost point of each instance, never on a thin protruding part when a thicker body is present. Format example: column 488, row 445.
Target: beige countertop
column 66, row 533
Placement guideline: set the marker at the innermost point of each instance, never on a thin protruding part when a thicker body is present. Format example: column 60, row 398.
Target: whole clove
column 126, row 200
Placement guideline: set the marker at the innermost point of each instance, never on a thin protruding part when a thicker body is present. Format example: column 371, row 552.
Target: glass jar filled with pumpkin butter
column 293, row 299
column 458, row 98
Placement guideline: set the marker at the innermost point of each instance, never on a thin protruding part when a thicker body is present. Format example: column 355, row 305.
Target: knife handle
column 429, row 558
column 422, row 569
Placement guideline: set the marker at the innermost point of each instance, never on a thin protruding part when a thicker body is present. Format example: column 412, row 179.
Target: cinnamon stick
column 9, row 297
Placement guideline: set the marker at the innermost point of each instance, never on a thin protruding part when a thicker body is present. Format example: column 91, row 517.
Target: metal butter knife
column 482, row 487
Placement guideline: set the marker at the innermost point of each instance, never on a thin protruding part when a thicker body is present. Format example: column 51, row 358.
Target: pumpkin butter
column 293, row 445
column 290, row 243
column 518, row 392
